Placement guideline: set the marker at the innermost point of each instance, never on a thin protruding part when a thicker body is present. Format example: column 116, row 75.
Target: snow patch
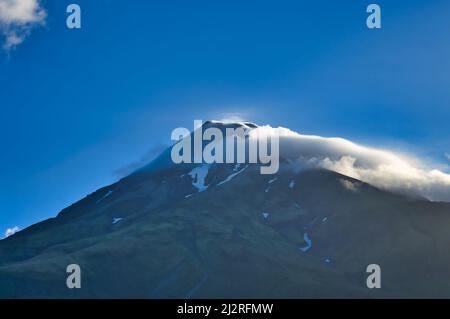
column 198, row 176
column 104, row 196
column 229, row 178
column 308, row 242
column 116, row 220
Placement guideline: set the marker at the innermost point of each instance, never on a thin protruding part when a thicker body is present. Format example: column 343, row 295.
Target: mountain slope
column 234, row 240
column 226, row 231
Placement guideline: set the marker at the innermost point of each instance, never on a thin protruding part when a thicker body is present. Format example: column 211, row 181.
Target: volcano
column 226, row 231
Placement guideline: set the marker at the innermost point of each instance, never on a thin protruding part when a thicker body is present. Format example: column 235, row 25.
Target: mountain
column 227, row 231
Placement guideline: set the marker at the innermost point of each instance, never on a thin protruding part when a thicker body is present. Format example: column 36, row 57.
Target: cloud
column 447, row 155
column 382, row 168
column 354, row 187
column 18, row 18
column 147, row 158
column 232, row 118
column 11, row 231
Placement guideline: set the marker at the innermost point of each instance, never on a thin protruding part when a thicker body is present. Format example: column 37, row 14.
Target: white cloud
column 18, row 18
column 232, row 118
column 382, row 168
column 11, row 231
column 349, row 185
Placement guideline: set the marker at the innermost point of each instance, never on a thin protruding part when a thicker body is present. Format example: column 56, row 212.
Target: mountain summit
column 226, row 231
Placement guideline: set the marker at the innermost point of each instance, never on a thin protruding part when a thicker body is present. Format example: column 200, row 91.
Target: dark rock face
column 154, row 234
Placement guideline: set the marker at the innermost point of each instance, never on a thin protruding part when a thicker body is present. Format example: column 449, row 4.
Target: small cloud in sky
column 17, row 19
column 447, row 155
column 11, row 231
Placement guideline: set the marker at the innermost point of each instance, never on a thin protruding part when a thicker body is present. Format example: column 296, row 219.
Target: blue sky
column 78, row 105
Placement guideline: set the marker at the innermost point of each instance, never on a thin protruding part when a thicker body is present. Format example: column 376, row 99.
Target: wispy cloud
column 147, row 158
column 232, row 117
column 17, row 19
column 11, row 231
column 447, row 155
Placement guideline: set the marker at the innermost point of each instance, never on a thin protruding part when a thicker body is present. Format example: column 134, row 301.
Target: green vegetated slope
column 290, row 235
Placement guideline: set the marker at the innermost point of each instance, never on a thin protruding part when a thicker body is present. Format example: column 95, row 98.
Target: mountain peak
column 229, row 124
